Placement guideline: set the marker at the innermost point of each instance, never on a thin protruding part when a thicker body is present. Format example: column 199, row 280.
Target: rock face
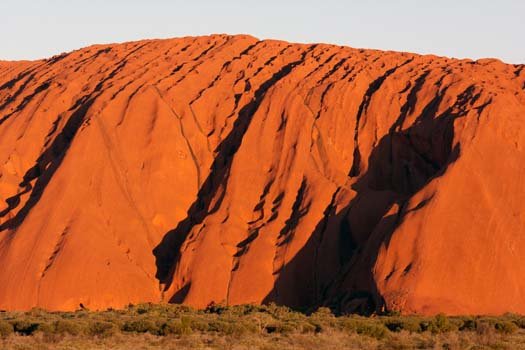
column 231, row 170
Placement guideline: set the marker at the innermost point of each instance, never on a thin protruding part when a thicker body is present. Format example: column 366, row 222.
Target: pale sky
column 32, row 29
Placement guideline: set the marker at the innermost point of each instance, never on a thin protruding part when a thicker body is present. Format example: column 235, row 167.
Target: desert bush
column 68, row 315
column 46, row 328
column 175, row 327
column 483, row 327
column 394, row 313
column 505, row 327
column 363, row 326
column 281, row 327
column 24, row 327
column 227, row 328
column 142, row 325
column 250, row 309
column 322, row 319
column 258, row 326
column 37, row 312
column 247, row 324
column 439, row 324
column 280, row 312
column 348, row 324
column 6, row 329
column 102, row 329
column 398, row 324
column 67, row 327
column 323, row 312
column 216, row 308
column 158, row 310
column 520, row 322
column 312, row 327
column 196, row 324
column 259, row 321
column 467, row 324
column 236, row 310
column 373, row 330
column 142, row 310
column 300, row 326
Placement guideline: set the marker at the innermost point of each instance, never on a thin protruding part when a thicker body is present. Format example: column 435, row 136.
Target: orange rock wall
column 228, row 169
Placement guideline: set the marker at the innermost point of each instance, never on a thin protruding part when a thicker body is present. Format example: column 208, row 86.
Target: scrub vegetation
column 149, row 326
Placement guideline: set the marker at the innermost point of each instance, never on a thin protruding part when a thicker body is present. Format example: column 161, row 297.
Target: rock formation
column 231, row 170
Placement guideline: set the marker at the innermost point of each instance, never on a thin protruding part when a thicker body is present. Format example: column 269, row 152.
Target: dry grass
column 252, row 327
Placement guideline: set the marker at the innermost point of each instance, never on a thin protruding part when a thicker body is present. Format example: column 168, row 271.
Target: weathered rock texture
column 228, row 169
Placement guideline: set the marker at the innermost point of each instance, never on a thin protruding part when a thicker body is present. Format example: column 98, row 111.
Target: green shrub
column 195, row 323
column 363, row 326
column 348, row 324
column 221, row 327
column 483, row 327
column 520, row 322
column 6, row 329
column 36, row 312
column 258, row 321
column 312, row 327
column 45, row 328
column 323, row 312
column 142, row 310
column 322, row 319
column 439, row 324
column 102, row 329
column 24, row 327
column 505, row 327
column 244, row 310
column 408, row 324
column 377, row 331
column 142, row 326
column 152, row 309
column 392, row 313
column 225, row 322
column 216, row 308
column 247, row 325
column 279, row 312
column 67, row 327
column 468, row 324
column 175, row 327
column 280, row 327
column 234, row 327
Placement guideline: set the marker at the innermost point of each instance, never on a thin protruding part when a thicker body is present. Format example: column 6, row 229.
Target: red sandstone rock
column 227, row 169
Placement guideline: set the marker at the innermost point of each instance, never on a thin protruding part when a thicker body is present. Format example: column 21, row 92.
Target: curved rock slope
column 228, row 169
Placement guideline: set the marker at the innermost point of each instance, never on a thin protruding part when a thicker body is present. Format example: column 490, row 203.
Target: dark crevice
column 320, row 66
column 11, row 83
column 518, row 71
column 363, row 107
column 334, row 69
column 199, row 60
column 91, row 58
column 56, row 58
column 224, row 68
column 45, row 167
column 298, row 211
column 51, row 158
column 400, row 164
column 319, row 233
column 259, row 207
column 167, row 252
column 21, row 89
column 43, row 87
column 271, row 60
column 410, row 104
column 401, row 167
